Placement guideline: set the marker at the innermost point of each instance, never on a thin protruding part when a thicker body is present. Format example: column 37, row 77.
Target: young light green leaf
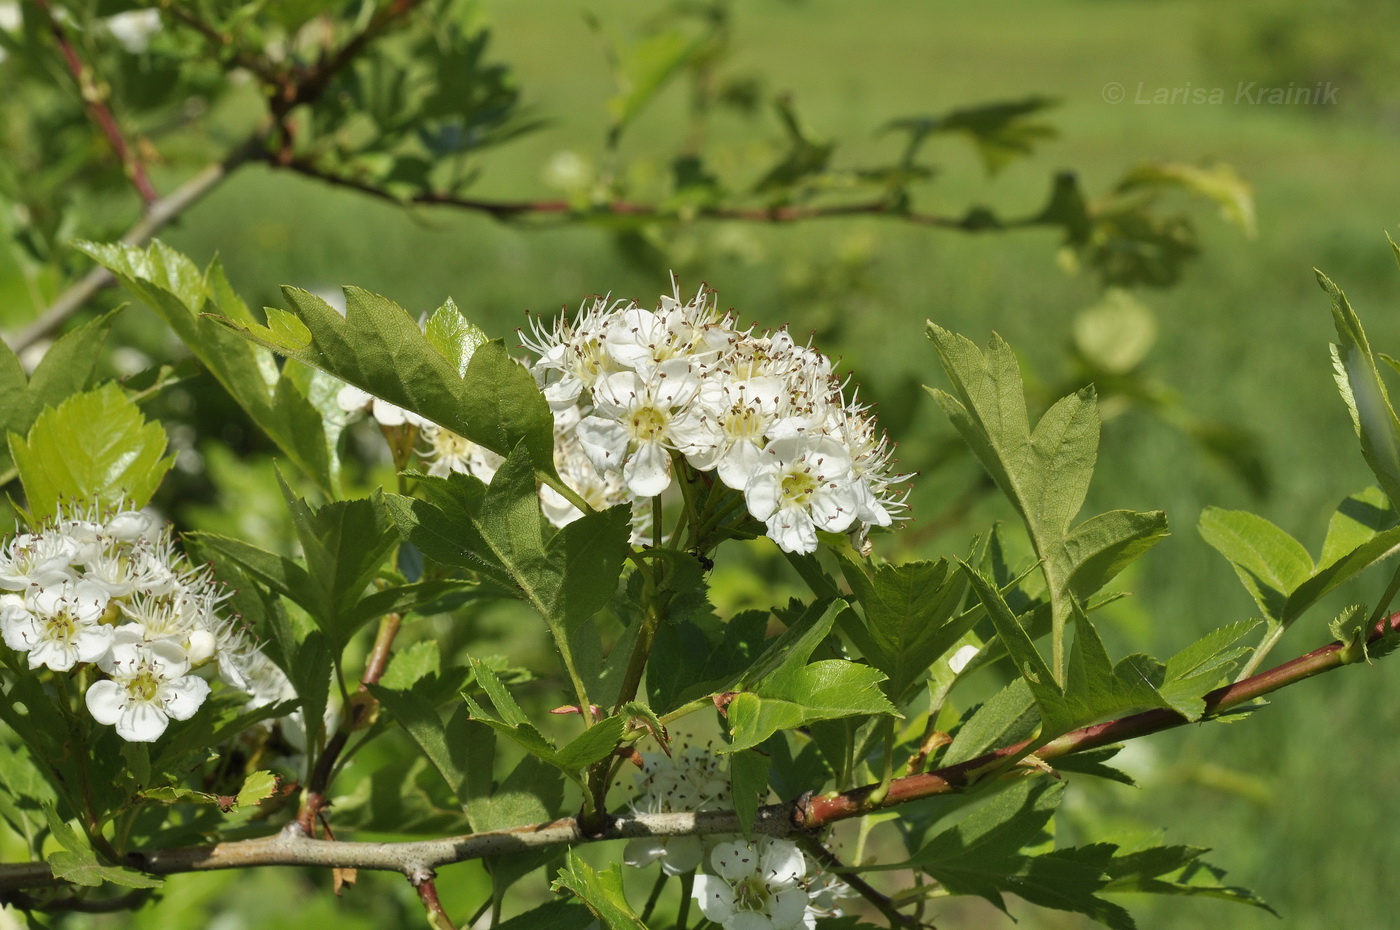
column 258, row 786
column 95, row 447
column 454, row 336
column 600, row 891
column 1269, row 562
column 796, row 697
column 1363, row 390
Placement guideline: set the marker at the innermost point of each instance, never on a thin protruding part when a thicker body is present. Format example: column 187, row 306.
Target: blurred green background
column 1295, row 801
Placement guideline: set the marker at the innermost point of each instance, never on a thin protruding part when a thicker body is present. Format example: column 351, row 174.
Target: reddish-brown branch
column 427, row 893
column 97, row 108
column 359, row 711
column 417, row 859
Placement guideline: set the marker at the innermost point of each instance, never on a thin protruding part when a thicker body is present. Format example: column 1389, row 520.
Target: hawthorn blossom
column 59, row 625
column 763, row 413
column 689, row 781
column 630, row 428
column 804, row 483
column 756, row 886
column 112, row 591
column 150, row 685
column 351, row 399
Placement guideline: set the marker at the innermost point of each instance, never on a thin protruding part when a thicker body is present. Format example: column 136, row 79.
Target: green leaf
column 94, row 447
column 552, row 915
column 172, row 286
column 1000, row 131
column 908, row 609
column 1008, row 717
column 66, row 369
column 378, row 347
column 1364, row 392
column 279, row 573
column 796, row 697
column 1219, row 183
column 453, row 335
column 601, row 892
column 592, row 745
column 256, row 787
column 344, row 544
column 1102, row 546
column 77, row 863
column 1270, row 563
column 420, row 720
column 643, row 69
column 1201, row 667
column 498, row 529
column 792, row 648
column 981, row 853
column 1044, row 473
column 1094, row 687
column 748, row 779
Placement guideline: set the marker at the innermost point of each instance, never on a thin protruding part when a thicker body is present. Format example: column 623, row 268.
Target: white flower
column 803, row 484
column 351, row 399
column 36, row 559
column 756, row 886
column 59, row 625
column 447, row 452
column 132, row 526
column 725, row 430
column 571, row 355
column 134, row 28
column 689, row 781
column 631, row 424
column 149, row 687
column 959, row 659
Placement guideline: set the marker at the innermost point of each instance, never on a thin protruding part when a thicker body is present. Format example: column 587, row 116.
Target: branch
column 516, row 209
column 95, row 103
column 157, row 216
column 417, row 860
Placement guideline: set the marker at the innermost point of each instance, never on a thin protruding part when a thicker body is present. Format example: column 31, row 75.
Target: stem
column 95, row 101
column 157, row 216
column 654, row 896
column 1269, row 641
column 437, row 917
column 687, row 887
column 292, row 847
column 359, row 710
column 882, row 903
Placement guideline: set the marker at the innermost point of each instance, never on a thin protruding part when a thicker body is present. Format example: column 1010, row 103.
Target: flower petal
column 105, row 700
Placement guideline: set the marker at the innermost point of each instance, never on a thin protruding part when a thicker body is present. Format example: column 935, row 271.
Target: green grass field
column 1295, row 801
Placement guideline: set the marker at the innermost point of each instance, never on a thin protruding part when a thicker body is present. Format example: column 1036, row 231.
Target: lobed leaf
column 94, row 447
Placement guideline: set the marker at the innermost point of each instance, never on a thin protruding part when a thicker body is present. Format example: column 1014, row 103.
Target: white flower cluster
column 760, row 885
column 692, row 780
column 112, row 591
column 446, row 452
column 764, row 885
column 765, row 414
